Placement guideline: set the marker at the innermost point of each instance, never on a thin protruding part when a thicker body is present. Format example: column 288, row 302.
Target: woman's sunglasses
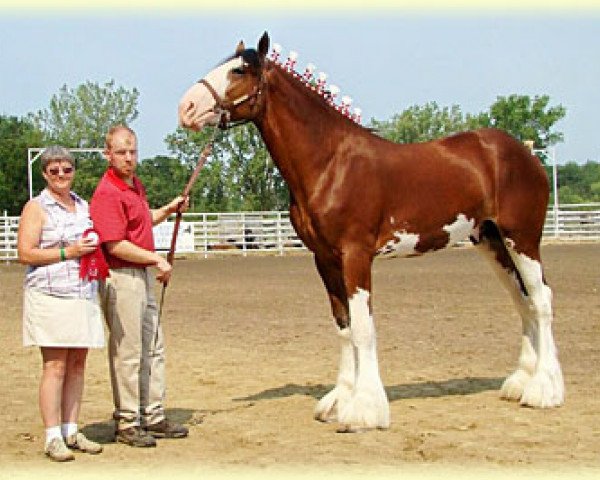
column 55, row 170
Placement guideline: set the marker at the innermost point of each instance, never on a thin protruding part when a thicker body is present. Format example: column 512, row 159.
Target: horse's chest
column 310, row 231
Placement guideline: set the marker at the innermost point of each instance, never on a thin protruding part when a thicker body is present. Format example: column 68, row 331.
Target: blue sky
column 385, row 59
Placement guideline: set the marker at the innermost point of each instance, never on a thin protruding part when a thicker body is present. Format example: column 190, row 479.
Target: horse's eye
column 238, row 71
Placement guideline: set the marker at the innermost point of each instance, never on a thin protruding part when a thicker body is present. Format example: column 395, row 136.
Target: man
column 123, row 219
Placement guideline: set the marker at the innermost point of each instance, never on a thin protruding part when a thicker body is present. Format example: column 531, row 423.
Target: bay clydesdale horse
column 354, row 196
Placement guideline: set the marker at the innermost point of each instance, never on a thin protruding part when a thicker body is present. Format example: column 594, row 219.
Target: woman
column 61, row 314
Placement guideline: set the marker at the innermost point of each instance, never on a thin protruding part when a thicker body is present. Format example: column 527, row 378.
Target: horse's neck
column 299, row 130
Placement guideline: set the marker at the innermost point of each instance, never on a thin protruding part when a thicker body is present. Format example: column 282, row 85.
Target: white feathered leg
column 537, row 381
column 513, row 386
column 545, row 388
column 368, row 406
column 328, row 407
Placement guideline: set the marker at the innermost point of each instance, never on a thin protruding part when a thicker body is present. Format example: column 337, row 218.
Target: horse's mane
column 325, row 93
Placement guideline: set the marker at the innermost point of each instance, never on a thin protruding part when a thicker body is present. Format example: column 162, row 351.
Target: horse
column 355, row 196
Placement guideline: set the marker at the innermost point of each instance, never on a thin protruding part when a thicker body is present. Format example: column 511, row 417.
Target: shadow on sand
column 461, row 386
column 104, row 432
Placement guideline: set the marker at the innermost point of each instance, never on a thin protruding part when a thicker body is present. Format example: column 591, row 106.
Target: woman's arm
column 29, row 235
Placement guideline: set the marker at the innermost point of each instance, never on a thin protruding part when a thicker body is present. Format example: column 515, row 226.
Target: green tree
column 523, row 117
column 252, row 180
column 527, row 118
column 208, row 194
column 579, row 183
column 422, row 123
column 80, row 118
column 239, row 175
column 16, row 136
column 164, row 178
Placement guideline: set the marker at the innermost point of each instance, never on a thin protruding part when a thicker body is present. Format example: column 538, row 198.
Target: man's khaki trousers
column 136, row 353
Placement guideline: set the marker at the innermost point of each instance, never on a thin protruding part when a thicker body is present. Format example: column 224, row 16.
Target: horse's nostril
column 186, row 111
column 188, row 107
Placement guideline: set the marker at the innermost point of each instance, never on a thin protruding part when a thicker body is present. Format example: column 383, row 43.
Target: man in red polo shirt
column 124, row 220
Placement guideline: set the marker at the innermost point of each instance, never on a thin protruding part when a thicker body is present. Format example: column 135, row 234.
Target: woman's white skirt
column 50, row 321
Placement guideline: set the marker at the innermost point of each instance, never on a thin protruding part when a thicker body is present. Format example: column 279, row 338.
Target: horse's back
column 480, row 175
column 503, row 168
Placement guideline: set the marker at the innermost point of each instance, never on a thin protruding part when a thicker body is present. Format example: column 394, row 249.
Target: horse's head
column 232, row 89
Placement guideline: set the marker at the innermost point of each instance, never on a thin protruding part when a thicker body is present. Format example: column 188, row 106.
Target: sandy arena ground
column 251, row 347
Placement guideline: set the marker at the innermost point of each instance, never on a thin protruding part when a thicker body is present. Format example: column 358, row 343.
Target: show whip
column 186, row 191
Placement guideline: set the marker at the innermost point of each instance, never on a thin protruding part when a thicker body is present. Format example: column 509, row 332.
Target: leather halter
column 224, row 107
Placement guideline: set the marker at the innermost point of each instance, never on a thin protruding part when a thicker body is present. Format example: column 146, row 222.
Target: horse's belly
column 406, row 243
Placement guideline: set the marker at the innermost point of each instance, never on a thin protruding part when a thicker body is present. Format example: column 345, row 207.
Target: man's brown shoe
column 135, row 437
column 166, row 429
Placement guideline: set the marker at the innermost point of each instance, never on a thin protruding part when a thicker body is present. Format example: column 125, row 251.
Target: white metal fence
column 252, row 232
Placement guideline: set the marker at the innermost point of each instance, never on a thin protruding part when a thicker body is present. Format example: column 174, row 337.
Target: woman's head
column 56, row 153
column 58, row 167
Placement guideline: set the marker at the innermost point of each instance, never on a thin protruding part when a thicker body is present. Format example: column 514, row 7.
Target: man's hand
column 164, row 270
column 179, row 203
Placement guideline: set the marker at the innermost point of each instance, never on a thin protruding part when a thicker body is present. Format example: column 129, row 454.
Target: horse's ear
column 263, row 45
column 240, row 48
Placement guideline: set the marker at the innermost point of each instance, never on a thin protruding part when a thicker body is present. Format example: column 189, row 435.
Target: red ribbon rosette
column 93, row 266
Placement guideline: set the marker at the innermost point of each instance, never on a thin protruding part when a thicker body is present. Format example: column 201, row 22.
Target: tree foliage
column 420, row 123
column 523, row 117
column 527, row 118
column 80, row 117
column 164, row 178
column 16, row 136
column 239, row 174
column 579, row 183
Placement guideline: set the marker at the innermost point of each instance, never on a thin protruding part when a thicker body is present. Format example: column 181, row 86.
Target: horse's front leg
column 368, row 406
column 328, row 407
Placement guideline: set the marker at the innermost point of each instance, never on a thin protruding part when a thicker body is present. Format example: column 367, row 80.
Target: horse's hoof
column 351, row 429
column 325, row 419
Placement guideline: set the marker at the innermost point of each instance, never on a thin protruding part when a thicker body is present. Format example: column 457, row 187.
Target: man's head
column 121, row 151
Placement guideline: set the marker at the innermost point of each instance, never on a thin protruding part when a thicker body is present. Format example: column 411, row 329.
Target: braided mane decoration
column 317, row 84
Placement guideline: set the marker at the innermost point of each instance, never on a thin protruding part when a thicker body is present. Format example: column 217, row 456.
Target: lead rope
column 186, row 191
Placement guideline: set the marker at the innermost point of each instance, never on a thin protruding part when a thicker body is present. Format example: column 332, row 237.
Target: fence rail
column 252, row 232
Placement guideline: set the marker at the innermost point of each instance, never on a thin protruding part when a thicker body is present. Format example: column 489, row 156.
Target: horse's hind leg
column 546, row 386
column 538, row 381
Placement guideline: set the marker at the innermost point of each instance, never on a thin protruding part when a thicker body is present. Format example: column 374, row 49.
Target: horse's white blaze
column 201, row 99
column 403, row 245
column 368, row 406
column 219, row 79
column 460, row 229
